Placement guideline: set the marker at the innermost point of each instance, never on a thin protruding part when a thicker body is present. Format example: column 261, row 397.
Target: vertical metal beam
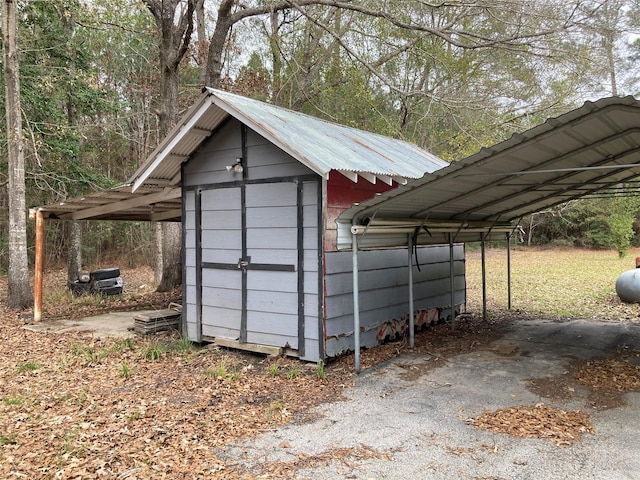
column 198, row 238
column 39, row 266
column 411, row 308
column 243, row 233
column 508, row 271
column 484, row 278
column 452, row 283
column 301, row 270
column 356, row 301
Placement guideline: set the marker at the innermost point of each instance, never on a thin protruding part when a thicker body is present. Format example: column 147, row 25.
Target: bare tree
column 514, row 25
column 19, row 294
column 174, row 22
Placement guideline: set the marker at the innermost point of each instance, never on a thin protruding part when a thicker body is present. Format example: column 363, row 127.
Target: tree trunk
column 172, row 258
column 217, row 43
column 19, row 290
column 157, row 234
column 74, row 252
column 173, row 43
column 202, row 43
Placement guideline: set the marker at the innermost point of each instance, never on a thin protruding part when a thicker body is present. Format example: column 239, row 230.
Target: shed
column 228, row 150
column 261, row 189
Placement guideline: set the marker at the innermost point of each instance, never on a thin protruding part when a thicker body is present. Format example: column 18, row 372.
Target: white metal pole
column 356, row 301
column 452, row 283
column 411, row 309
column 484, row 279
column 508, row 271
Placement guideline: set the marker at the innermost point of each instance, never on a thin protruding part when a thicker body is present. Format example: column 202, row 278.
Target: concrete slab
column 417, row 427
column 112, row 324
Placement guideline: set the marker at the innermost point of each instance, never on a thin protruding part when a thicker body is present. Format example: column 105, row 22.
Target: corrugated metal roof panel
column 322, row 146
column 576, row 154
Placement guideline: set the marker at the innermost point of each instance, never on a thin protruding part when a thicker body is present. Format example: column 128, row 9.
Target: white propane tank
column 628, row 286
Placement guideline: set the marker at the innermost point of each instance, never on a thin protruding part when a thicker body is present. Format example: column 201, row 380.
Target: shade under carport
column 594, row 149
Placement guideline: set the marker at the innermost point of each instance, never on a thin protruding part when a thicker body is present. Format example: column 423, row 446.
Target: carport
column 592, row 150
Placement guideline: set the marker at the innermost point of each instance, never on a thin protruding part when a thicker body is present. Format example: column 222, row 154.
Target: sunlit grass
column 556, row 282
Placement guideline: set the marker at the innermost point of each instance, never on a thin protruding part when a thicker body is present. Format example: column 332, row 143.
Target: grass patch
column 155, row 350
column 274, row 371
column 293, row 372
column 321, row 370
column 125, row 371
column 28, row 366
column 223, row 370
column 10, row 439
column 557, row 282
column 12, row 400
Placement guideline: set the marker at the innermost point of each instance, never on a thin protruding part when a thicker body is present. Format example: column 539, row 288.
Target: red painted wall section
column 342, row 193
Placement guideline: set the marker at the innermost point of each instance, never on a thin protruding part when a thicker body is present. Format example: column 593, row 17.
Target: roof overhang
column 592, row 150
column 148, row 203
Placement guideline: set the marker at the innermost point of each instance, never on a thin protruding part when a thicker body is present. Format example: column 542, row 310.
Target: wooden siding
column 342, row 193
column 189, row 297
column 384, row 297
column 270, row 185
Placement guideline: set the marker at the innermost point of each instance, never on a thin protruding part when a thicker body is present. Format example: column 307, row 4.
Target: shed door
column 251, row 284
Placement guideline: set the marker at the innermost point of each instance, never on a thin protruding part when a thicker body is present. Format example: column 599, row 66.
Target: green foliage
column 601, row 223
column 28, row 366
column 125, row 371
column 223, row 371
column 321, row 370
column 274, row 371
column 293, row 373
column 155, row 350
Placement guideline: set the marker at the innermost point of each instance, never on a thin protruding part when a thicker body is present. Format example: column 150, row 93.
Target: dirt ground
column 514, row 397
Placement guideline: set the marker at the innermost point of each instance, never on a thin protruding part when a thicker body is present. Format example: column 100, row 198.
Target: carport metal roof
column 591, row 149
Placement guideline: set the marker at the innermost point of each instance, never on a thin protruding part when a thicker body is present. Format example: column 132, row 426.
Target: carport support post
column 356, row 301
column 484, row 278
column 39, row 262
column 451, row 284
column 411, row 315
column 508, row 271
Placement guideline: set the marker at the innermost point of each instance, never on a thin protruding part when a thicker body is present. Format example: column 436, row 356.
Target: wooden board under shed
column 158, row 321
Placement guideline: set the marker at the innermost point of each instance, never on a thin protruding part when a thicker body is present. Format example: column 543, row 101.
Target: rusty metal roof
column 588, row 151
column 320, row 145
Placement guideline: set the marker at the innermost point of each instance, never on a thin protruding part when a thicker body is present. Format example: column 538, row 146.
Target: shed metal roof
column 153, row 192
column 591, row 149
column 320, row 145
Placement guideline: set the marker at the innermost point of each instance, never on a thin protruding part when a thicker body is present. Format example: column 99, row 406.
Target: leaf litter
column 68, row 410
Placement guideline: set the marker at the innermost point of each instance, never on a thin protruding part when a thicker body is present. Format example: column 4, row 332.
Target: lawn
column 555, row 283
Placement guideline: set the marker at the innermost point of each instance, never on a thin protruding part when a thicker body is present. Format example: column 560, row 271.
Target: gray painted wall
column 383, row 283
column 272, row 238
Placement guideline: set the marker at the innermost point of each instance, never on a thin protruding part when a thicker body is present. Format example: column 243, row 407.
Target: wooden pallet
column 158, row 321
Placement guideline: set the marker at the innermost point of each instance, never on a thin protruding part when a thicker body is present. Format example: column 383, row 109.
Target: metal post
column 356, row 301
column 451, row 283
column 508, row 271
column 411, row 309
column 484, row 279
column 39, row 266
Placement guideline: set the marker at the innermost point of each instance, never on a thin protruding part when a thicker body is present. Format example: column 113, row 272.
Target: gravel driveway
column 404, row 420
